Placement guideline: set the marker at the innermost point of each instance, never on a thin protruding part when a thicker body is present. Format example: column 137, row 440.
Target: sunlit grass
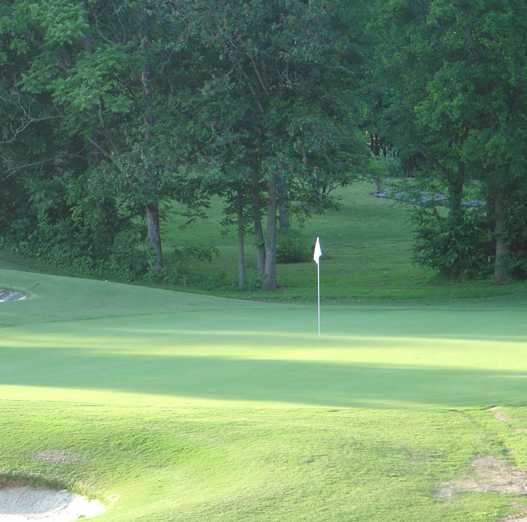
column 185, row 407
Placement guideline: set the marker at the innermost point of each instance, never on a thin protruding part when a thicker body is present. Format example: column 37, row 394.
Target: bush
column 127, row 259
column 465, row 250
column 387, row 166
column 180, row 267
column 67, row 224
column 293, row 247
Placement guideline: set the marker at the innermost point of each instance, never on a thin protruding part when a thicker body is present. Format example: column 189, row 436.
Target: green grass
column 368, row 244
column 369, row 247
column 189, row 407
column 186, row 407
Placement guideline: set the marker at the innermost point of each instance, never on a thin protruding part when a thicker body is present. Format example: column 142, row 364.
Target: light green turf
column 190, row 408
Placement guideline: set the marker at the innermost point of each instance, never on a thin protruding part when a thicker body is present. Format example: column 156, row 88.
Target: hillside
column 368, row 243
column 368, row 246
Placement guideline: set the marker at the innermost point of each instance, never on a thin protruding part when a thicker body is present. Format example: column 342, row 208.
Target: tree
column 464, row 105
column 105, row 74
column 279, row 103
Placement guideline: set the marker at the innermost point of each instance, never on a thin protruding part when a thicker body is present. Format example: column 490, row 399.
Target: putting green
column 178, row 407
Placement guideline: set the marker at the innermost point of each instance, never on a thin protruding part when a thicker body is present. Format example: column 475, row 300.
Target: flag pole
column 318, row 296
column 317, row 252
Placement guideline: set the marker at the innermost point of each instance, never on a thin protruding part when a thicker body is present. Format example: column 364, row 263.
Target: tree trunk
column 501, row 263
column 378, row 184
column 260, row 247
column 283, row 210
column 154, row 236
column 456, row 182
column 241, row 254
column 152, row 209
column 269, row 279
column 259, row 239
column 284, row 217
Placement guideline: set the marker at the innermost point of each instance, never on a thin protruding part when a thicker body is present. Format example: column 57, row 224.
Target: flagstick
column 316, row 258
column 318, row 296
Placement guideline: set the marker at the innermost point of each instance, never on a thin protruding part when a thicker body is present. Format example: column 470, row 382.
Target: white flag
column 317, row 253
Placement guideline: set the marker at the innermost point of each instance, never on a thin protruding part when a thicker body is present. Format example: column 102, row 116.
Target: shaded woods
column 111, row 109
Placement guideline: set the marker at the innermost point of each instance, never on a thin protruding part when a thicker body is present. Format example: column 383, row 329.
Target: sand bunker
column 11, row 295
column 25, row 504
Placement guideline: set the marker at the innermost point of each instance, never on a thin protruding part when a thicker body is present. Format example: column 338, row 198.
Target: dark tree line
column 110, row 109
column 449, row 91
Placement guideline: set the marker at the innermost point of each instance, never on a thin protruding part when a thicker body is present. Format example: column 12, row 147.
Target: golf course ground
column 170, row 406
column 177, row 407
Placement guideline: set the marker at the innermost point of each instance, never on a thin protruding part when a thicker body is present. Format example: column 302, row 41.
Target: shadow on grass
column 238, row 379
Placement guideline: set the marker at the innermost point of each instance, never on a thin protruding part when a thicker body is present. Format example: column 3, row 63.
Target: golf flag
column 316, row 258
column 318, row 252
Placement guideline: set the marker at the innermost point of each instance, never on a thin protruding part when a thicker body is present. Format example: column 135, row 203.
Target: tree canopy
column 111, row 110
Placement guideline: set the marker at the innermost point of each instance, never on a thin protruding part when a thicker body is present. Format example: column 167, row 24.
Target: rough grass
column 369, row 257
column 186, row 407
column 369, row 246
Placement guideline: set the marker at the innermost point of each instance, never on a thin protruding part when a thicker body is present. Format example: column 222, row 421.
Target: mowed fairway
column 178, row 407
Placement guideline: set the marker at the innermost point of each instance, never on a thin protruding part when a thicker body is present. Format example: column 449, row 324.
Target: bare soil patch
column 487, row 474
column 500, row 415
column 57, row 456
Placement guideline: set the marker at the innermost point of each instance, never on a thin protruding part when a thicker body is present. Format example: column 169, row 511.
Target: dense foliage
column 450, row 96
column 111, row 109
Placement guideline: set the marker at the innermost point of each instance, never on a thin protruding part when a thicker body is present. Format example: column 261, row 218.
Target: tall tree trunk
column 490, row 218
column 154, row 235
column 241, row 254
column 377, row 179
column 260, row 247
column 283, row 210
column 285, row 222
column 501, row 263
column 490, row 207
column 152, row 208
column 259, row 239
column 456, row 182
column 490, row 210
column 269, row 279
column 376, row 148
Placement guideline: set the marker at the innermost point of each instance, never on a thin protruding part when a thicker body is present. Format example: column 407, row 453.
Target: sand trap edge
column 23, row 503
column 11, row 295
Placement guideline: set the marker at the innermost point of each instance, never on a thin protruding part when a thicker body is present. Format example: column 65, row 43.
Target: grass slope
column 369, row 247
column 184, row 407
column 368, row 244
